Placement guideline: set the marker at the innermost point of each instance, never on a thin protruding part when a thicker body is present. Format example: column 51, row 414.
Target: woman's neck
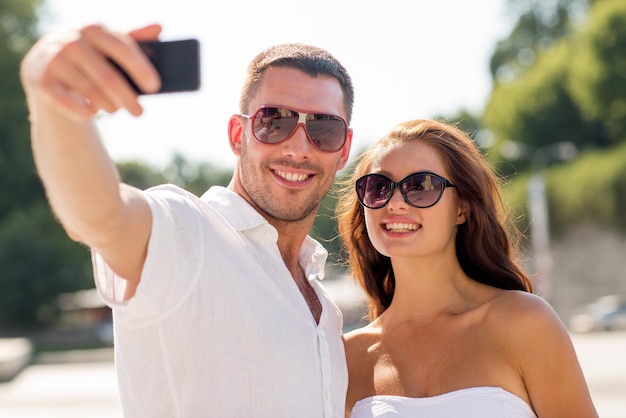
column 430, row 287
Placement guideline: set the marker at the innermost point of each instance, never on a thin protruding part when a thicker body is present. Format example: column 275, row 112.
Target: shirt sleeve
column 172, row 263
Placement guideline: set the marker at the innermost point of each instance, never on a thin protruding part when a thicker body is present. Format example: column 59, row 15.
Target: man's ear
column 235, row 134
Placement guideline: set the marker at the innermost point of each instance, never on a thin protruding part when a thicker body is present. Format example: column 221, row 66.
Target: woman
column 455, row 329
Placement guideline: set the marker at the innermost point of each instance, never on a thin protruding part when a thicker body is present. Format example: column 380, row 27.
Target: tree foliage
column 29, row 244
column 537, row 111
column 550, row 101
column 539, row 25
column 196, row 178
column 21, row 186
column 38, row 263
column 598, row 68
column 592, row 189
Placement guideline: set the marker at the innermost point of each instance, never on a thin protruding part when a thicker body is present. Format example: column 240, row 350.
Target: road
column 603, row 359
column 89, row 388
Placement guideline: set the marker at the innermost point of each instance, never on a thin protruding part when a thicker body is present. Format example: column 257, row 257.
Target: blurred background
column 549, row 113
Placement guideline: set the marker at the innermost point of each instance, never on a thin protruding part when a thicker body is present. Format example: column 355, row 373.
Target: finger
column 61, row 82
column 71, row 103
column 147, row 33
column 75, row 80
column 124, row 50
column 89, row 55
column 104, row 82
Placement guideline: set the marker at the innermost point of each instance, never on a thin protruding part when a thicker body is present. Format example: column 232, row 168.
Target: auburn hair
column 485, row 243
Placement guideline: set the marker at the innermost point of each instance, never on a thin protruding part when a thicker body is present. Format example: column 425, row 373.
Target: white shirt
column 218, row 327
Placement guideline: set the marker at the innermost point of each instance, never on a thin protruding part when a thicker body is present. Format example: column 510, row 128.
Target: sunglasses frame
column 398, row 185
column 302, row 119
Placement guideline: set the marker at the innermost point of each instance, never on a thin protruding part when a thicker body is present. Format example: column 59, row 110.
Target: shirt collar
column 241, row 216
column 233, row 208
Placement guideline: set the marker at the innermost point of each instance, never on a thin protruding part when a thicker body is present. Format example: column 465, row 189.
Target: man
column 217, row 308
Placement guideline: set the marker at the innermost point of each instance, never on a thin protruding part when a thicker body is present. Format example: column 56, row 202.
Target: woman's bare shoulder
column 364, row 335
column 540, row 347
column 522, row 306
column 522, row 317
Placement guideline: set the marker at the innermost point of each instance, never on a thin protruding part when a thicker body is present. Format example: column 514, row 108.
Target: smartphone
column 177, row 62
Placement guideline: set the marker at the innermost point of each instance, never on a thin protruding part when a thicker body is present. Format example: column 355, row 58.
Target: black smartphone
column 177, row 62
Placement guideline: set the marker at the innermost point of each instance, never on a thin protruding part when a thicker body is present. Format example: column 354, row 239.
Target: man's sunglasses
column 421, row 190
column 272, row 125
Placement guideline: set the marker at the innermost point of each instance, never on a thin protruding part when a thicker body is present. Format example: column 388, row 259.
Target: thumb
column 146, row 33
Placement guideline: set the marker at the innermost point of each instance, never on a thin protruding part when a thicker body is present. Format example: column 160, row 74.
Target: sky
column 408, row 59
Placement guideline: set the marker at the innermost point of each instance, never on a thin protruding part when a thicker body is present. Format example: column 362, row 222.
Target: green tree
column 537, row 110
column 37, row 259
column 573, row 92
column 577, row 193
column 21, row 187
column 196, row 178
column 540, row 24
column 38, row 263
column 139, row 175
column 598, row 68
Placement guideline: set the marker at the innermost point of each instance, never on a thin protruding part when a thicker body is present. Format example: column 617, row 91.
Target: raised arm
column 67, row 80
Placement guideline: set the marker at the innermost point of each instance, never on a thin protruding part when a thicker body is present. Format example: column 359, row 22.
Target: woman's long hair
column 484, row 243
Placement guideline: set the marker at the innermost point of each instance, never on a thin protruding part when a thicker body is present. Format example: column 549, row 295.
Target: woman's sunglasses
column 421, row 190
column 272, row 125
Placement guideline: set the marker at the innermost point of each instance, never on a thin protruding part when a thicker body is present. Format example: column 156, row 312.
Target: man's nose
column 298, row 145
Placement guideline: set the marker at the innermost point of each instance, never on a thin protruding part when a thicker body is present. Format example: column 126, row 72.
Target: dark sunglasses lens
column 273, row 125
column 328, row 132
column 374, row 190
column 422, row 190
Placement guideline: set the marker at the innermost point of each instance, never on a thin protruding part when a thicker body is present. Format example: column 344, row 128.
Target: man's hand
column 72, row 72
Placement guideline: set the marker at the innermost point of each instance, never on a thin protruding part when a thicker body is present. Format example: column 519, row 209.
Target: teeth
column 292, row 176
column 400, row 227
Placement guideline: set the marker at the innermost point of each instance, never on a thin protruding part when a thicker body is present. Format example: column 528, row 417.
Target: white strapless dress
column 476, row 402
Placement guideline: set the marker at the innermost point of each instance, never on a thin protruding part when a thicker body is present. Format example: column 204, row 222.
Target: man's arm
column 68, row 80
